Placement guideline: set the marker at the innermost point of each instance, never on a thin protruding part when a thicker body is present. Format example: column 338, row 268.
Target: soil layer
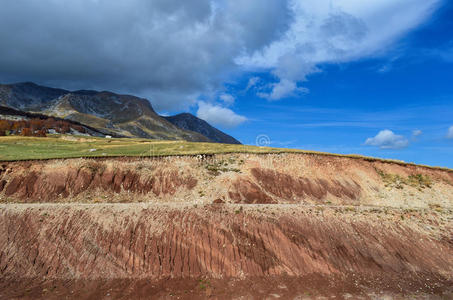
column 220, row 251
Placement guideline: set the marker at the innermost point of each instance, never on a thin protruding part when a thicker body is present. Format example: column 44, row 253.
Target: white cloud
column 252, row 82
column 450, row 133
column 417, row 133
column 386, row 139
column 227, row 99
column 217, row 115
column 283, row 89
column 326, row 31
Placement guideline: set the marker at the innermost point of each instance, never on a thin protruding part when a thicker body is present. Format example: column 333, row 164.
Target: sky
column 344, row 76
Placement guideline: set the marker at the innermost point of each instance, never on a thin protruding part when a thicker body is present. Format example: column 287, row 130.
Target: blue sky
column 344, row 76
column 408, row 90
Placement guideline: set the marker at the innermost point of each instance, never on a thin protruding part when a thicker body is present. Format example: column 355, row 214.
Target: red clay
column 269, row 179
column 287, row 187
column 101, row 244
column 39, row 186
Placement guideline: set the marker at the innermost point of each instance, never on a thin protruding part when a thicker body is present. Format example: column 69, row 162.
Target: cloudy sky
column 347, row 76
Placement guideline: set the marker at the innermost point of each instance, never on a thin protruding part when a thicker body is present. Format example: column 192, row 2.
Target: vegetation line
column 19, row 148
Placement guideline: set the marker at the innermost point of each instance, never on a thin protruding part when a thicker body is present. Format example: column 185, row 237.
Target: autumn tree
column 26, row 132
column 79, row 128
column 50, row 123
column 18, row 126
column 40, row 133
column 5, row 125
column 36, row 124
column 63, row 127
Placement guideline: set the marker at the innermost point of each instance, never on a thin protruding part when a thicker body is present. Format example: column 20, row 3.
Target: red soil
column 30, row 183
column 96, row 246
column 259, row 179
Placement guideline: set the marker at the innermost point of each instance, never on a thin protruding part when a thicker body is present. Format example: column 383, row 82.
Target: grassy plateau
column 13, row 148
column 31, row 148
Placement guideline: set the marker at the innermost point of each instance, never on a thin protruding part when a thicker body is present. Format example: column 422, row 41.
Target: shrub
column 419, row 181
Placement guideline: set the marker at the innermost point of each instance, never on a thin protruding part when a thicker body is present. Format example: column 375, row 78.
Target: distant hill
column 113, row 114
column 190, row 122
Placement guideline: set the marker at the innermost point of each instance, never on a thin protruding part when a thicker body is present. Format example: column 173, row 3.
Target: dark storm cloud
column 173, row 51
column 169, row 50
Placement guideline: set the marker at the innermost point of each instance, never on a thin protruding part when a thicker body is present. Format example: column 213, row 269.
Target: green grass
column 14, row 148
column 31, row 148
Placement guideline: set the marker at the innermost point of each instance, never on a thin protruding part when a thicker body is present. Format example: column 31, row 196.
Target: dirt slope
column 357, row 252
column 239, row 178
column 288, row 226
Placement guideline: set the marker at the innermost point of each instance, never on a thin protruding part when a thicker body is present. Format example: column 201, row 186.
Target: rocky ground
column 239, row 226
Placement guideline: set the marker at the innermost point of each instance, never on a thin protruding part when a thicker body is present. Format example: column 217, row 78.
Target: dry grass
column 418, row 181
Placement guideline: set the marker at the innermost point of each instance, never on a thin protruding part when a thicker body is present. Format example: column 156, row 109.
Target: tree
column 50, row 123
column 64, row 128
column 26, row 132
column 36, row 124
column 40, row 133
column 79, row 128
column 5, row 125
column 18, row 126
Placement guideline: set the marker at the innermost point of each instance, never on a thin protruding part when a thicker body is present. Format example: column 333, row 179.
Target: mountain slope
column 190, row 122
column 28, row 96
column 114, row 114
column 118, row 114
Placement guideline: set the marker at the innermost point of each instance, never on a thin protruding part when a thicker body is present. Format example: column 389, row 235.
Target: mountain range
column 110, row 113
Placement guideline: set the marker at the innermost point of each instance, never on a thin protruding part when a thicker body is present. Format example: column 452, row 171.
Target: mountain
column 110, row 113
column 28, row 96
column 190, row 122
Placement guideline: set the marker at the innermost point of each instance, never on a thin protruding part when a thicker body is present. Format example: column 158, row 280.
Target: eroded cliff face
column 240, row 178
column 354, row 250
column 293, row 226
